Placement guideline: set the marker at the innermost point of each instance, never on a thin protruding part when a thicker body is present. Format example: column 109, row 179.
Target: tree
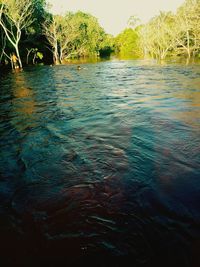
column 127, row 43
column 51, row 28
column 15, row 15
column 68, row 33
column 187, row 28
column 61, row 33
column 175, row 35
column 73, row 35
column 90, row 36
column 157, row 37
column 107, row 45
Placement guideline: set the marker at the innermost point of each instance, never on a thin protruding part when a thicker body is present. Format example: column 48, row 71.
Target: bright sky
column 114, row 14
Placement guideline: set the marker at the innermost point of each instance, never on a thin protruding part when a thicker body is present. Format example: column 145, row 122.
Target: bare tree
column 51, row 30
column 15, row 15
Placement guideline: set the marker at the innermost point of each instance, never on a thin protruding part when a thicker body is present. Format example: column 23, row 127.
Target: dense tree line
column 75, row 35
column 166, row 35
column 33, row 34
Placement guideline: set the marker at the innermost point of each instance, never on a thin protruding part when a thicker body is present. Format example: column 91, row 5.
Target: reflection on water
column 100, row 167
column 23, row 101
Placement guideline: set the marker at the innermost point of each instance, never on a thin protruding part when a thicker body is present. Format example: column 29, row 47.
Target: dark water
column 100, row 167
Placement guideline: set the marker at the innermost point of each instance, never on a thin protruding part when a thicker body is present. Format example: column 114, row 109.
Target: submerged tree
column 157, row 37
column 61, row 33
column 68, row 33
column 15, row 15
column 187, row 29
column 51, row 29
column 173, row 34
column 74, row 35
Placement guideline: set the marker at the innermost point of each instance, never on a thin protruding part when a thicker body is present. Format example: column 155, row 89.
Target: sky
column 113, row 15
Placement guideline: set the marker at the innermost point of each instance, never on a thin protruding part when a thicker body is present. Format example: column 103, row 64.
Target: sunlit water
column 101, row 166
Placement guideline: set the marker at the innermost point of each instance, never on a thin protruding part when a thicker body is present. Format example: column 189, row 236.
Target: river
column 100, row 166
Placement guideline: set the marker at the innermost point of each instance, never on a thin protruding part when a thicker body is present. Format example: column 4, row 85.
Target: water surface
column 101, row 166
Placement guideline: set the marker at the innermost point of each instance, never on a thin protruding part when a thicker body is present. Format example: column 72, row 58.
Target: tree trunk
column 11, row 62
column 56, row 56
column 189, row 53
column 18, row 56
column 188, row 44
column 27, row 56
column 34, row 58
column 55, row 59
column 60, row 56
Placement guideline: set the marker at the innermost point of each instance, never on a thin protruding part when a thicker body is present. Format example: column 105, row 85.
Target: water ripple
column 102, row 165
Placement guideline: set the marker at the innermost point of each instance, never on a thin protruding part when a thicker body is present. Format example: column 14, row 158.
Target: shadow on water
column 100, row 167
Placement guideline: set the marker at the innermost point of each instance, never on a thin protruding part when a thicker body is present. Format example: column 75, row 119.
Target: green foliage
column 40, row 36
column 173, row 34
column 107, row 45
column 39, row 55
column 39, row 15
column 90, row 34
column 127, row 43
column 75, row 35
